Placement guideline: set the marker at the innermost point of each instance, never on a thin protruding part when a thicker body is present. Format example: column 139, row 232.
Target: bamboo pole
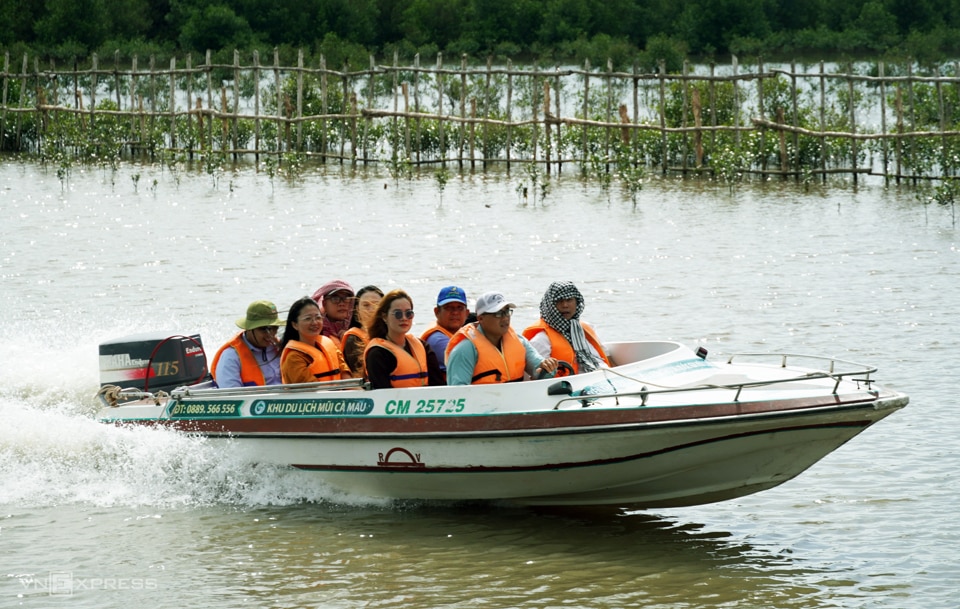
column 234, row 122
column 663, row 117
column 546, row 131
column 761, row 110
column 883, row 120
column 854, row 149
column 324, row 108
column 685, row 90
column 584, row 156
column 509, row 111
column 416, row 105
column 823, row 121
column 795, row 117
column 256, row 106
column 3, row 99
column 173, row 103
column 463, row 108
column 188, row 81
column 299, row 100
column 440, row 127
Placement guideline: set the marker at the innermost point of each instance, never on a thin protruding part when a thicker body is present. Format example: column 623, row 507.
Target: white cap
column 491, row 302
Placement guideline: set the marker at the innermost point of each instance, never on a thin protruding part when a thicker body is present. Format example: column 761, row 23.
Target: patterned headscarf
column 569, row 328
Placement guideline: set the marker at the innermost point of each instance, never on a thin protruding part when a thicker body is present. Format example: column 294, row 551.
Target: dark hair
column 289, row 332
column 355, row 318
column 378, row 329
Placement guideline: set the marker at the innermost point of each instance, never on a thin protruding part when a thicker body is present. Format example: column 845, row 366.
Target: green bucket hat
column 259, row 314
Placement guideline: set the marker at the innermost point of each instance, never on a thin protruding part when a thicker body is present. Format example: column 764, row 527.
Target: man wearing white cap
column 251, row 357
column 490, row 351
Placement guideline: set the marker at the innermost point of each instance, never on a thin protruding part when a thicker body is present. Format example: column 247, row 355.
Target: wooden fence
column 726, row 122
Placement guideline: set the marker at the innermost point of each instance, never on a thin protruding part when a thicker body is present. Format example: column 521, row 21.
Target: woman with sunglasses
column 394, row 357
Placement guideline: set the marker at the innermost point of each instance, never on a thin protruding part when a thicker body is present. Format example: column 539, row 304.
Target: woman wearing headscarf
column 560, row 333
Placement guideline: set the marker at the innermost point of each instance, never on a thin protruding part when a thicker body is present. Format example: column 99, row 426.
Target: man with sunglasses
column 251, row 357
column 490, row 351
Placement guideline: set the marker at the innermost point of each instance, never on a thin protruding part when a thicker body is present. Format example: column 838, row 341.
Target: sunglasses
column 507, row 312
column 339, row 299
column 398, row 314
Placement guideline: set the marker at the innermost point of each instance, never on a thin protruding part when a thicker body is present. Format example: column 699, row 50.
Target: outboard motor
column 153, row 361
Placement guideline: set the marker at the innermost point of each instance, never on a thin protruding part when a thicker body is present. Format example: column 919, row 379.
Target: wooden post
column 883, row 121
column 256, row 107
column 93, row 88
column 661, row 75
column 443, row 150
column 234, row 121
column 608, row 112
column 211, row 106
column 282, row 124
column 584, row 160
column 854, row 148
column 823, row 123
column 509, row 109
column 698, row 134
column 944, row 162
column 913, row 122
column 558, row 115
column 406, row 120
column 173, row 102
column 153, row 96
column 371, row 96
column 473, row 132
column 736, row 101
column 760, row 109
column 300, row 100
column 463, row 108
column 898, row 109
column 3, row 97
column 683, row 116
column 784, row 158
column 188, row 78
column 713, row 106
column 487, row 104
column 546, row 125
column 416, row 104
column 323, row 109
column 795, row 118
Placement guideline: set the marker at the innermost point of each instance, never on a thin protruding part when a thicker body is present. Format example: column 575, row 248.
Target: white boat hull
column 695, row 442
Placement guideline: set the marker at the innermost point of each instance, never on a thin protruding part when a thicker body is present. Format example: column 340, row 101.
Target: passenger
column 451, row 312
column 489, row 351
column 336, row 302
column 306, row 356
column 355, row 338
column 251, row 357
column 561, row 334
column 394, row 357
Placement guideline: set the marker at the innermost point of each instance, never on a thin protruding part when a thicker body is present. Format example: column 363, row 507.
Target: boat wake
column 56, row 453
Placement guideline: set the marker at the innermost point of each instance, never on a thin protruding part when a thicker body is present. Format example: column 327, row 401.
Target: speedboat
column 664, row 426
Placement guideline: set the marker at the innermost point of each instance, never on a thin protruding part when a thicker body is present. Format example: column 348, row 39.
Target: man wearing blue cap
column 451, row 312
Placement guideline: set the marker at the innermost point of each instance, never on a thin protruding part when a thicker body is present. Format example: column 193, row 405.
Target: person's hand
column 549, row 365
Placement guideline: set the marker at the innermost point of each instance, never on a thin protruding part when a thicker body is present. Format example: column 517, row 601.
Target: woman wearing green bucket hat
column 251, row 357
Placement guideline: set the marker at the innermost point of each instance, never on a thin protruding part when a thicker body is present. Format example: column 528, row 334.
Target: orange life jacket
column 411, row 370
column 360, row 333
column 504, row 365
column 325, row 366
column 250, row 373
column 560, row 347
column 435, row 328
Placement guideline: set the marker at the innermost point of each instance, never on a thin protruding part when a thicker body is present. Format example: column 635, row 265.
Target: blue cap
column 451, row 293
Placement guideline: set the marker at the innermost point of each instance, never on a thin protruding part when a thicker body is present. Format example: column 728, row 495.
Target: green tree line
column 623, row 30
